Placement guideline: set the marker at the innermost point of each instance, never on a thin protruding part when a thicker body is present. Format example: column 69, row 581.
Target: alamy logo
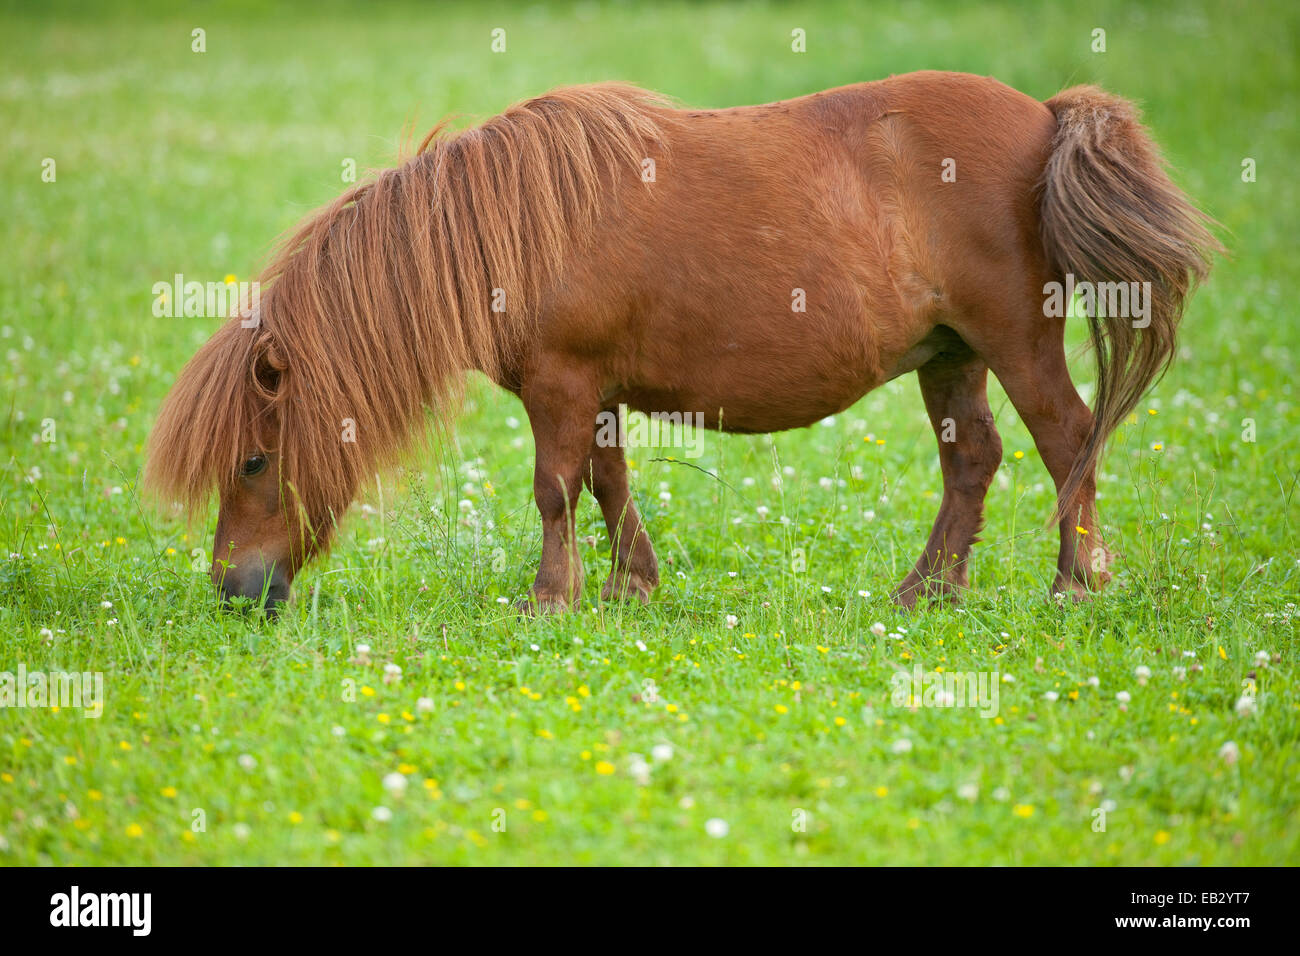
column 615, row 429
column 917, row 689
column 204, row 300
column 72, row 689
column 1104, row 300
column 103, row 909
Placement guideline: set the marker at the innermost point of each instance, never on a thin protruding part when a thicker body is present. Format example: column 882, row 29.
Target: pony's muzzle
column 269, row 591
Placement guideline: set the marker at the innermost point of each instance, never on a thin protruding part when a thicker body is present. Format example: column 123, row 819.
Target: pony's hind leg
column 635, row 570
column 1027, row 354
column 953, row 385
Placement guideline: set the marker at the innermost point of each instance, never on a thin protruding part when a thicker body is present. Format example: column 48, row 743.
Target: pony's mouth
column 269, row 596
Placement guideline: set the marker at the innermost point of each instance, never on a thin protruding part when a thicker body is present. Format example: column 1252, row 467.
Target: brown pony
column 764, row 266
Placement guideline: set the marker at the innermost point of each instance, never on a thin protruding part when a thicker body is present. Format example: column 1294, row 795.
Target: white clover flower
column 1261, row 658
column 639, row 770
column 106, row 605
column 395, row 783
column 1245, row 705
column 878, row 629
column 339, row 731
column 732, row 620
column 1143, row 674
column 1094, row 681
column 1123, row 697
column 901, row 746
column 382, row 814
column 1229, row 753
column 661, row 752
column 242, row 831
column 717, row 828
column 1051, row 696
column 424, row 705
column 392, row 673
column 968, row 791
column 1008, row 678
column 248, row 762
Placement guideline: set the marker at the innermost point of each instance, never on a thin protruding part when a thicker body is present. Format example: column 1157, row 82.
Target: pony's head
column 369, row 314
column 227, row 425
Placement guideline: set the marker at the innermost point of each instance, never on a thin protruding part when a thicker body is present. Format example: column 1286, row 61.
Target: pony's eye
column 254, row 466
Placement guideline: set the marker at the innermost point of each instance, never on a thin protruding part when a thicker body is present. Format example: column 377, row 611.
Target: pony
column 759, row 266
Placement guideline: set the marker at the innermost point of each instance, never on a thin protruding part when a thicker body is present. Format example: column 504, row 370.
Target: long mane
column 374, row 308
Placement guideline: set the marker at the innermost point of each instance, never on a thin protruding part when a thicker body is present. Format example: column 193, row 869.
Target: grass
column 226, row 741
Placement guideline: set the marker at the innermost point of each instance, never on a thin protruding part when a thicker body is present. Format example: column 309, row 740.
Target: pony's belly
column 736, row 399
column 765, row 375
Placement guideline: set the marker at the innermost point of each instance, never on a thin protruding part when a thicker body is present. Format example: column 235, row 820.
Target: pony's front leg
column 635, row 570
column 561, row 407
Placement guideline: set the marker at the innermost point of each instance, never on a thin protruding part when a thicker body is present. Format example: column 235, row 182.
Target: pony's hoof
column 541, row 603
column 904, row 597
column 933, row 589
column 1072, row 592
column 624, row 586
column 1076, row 591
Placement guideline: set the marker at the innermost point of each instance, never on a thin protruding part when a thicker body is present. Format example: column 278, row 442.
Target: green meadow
column 400, row 713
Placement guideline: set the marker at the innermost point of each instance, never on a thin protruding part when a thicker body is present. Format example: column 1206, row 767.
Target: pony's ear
column 268, row 366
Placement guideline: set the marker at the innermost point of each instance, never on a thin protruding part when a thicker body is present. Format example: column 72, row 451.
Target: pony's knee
column 976, row 457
